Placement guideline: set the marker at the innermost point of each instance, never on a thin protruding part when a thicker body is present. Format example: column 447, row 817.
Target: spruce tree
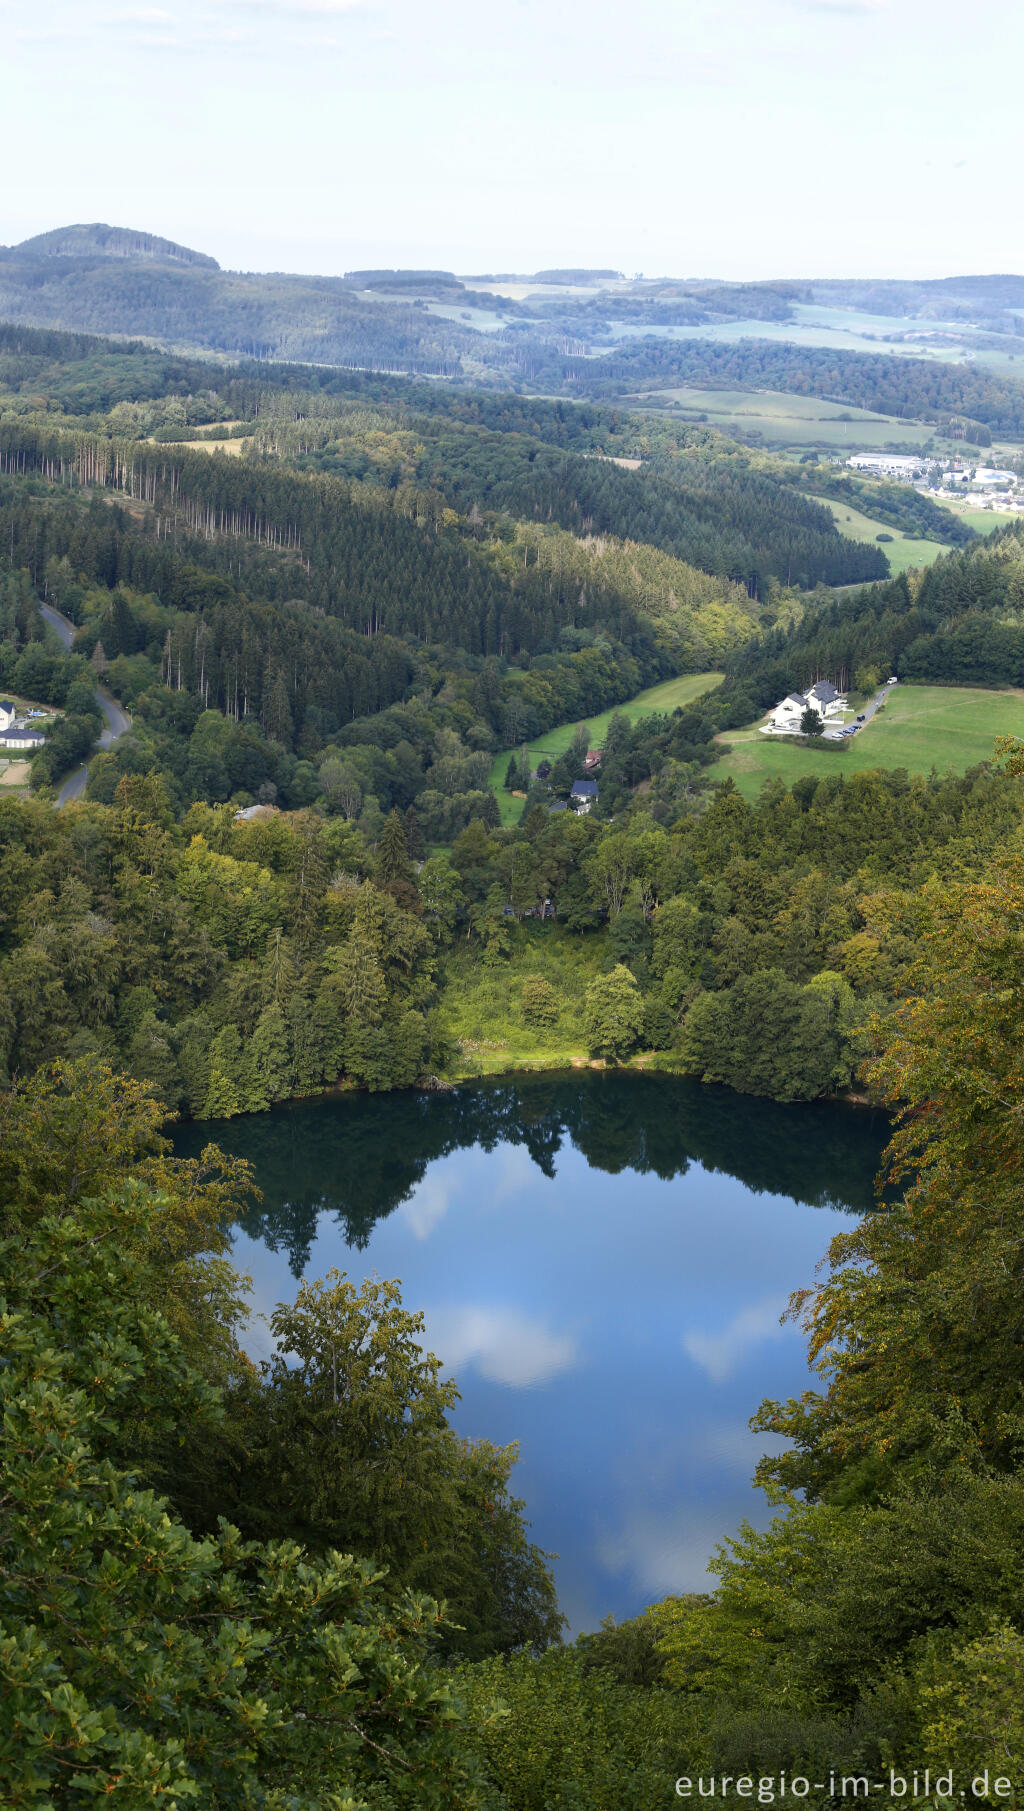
column 269, row 1059
column 394, row 874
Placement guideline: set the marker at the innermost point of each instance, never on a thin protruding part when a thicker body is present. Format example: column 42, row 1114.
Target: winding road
column 117, row 720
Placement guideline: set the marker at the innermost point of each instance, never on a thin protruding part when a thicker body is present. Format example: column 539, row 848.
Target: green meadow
column 902, row 552
column 783, row 419
column 481, row 1011
column 670, row 695
column 920, row 727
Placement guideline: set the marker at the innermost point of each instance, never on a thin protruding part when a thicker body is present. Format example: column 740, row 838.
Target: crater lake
column 602, row 1260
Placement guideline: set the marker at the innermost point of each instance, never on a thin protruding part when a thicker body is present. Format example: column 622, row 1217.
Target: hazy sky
column 692, row 137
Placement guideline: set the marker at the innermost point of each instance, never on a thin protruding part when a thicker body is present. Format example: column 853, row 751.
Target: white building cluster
column 889, row 465
column 984, row 486
column 787, row 717
column 15, row 733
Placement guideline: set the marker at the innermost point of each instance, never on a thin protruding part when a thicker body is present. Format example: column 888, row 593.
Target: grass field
column 921, row 727
column 481, row 1012
column 232, row 447
column 666, row 697
column 902, row 551
column 790, row 421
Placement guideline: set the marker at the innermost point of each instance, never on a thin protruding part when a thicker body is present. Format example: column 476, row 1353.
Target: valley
column 438, row 1031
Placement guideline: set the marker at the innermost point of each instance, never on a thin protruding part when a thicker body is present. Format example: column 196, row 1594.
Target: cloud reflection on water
column 602, row 1262
column 501, row 1344
column 720, row 1354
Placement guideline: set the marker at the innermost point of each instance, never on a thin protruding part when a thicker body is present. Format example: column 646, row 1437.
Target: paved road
column 876, row 704
column 116, row 720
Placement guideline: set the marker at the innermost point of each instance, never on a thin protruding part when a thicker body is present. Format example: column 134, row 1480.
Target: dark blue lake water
column 602, row 1261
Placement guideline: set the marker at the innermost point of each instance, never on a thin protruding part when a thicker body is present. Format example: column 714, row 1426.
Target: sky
column 731, row 138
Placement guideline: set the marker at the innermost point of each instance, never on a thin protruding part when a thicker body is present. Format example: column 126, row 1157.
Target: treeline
column 271, row 957
column 981, row 401
column 725, row 518
column 953, row 623
column 135, row 1421
column 378, row 563
column 319, row 319
column 699, row 497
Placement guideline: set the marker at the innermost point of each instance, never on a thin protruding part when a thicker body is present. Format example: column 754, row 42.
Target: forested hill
column 958, row 623
column 99, row 240
column 185, row 299
column 108, row 280
column 918, row 388
column 698, row 497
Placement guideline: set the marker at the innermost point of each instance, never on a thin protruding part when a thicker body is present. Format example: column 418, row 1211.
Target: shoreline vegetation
column 290, row 1582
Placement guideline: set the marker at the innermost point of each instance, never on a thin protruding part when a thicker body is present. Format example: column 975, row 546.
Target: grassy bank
column 671, row 695
column 921, row 727
column 481, row 1009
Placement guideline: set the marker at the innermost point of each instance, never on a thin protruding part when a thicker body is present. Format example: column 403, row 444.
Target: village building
column 246, row 814
column 990, row 474
column 584, row 794
column 7, row 713
column 787, row 717
column 20, row 738
column 887, row 465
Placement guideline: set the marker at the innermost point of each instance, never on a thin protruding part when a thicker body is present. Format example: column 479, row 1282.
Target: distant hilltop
column 574, row 276
column 399, row 280
column 101, row 241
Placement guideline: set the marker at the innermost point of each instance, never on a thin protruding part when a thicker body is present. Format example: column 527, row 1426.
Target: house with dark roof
column 20, row 738
column 584, row 794
column 822, row 697
column 7, row 713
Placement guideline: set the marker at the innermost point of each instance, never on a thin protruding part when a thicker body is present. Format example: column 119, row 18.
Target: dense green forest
column 188, row 1540
column 957, row 622
column 966, row 397
column 103, row 280
column 292, row 1584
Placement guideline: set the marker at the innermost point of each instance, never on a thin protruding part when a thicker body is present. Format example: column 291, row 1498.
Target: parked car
column 861, row 717
column 892, row 680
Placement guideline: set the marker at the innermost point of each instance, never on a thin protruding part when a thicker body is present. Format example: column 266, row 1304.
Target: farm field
column 921, row 727
column 902, row 551
column 786, row 420
column 670, row 695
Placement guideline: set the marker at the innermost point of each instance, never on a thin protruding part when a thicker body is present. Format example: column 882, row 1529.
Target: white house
column 20, row 738
column 822, row 697
column 7, row 713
